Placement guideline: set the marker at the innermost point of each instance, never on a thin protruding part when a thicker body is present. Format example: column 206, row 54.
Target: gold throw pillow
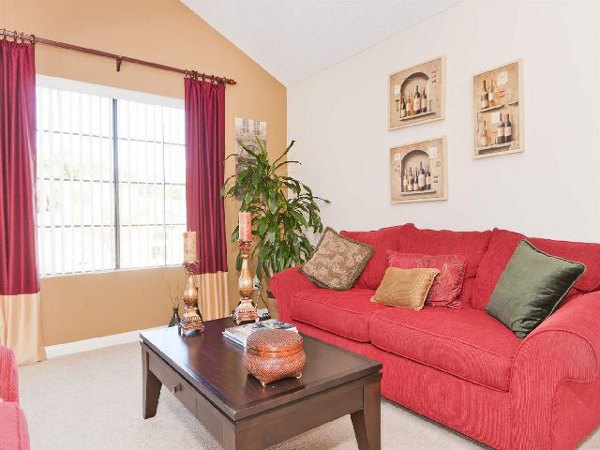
column 405, row 287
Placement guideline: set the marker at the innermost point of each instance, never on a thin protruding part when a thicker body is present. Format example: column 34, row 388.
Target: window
column 111, row 179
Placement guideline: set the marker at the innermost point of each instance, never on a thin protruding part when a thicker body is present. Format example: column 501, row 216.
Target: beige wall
column 165, row 31
column 549, row 190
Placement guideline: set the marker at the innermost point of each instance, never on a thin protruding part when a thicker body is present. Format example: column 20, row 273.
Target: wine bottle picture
column 416, row 95
column 416, row 180
column 497, row 109
column 483, row 140
column 421, row 178
column 500, row 131
column 422, row 170
column 485, row 103
column 507, row 129
column 403, row 107
column 417, row 101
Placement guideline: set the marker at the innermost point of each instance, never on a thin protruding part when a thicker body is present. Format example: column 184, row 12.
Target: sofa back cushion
column 471, row 244
column 502, row 246
column 381, row 241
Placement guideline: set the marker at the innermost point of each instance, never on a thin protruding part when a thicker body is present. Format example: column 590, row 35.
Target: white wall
column 339, row 120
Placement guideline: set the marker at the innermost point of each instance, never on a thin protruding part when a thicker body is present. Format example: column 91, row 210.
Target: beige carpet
column 93, row 401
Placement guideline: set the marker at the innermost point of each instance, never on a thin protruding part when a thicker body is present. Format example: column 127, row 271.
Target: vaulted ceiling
column 293, row 39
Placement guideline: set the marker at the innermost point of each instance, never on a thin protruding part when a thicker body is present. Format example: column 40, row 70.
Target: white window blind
column 111, row 182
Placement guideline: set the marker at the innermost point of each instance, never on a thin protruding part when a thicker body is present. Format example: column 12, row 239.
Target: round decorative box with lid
column 274, row 354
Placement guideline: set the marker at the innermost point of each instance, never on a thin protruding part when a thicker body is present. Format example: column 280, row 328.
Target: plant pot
column 272, row 307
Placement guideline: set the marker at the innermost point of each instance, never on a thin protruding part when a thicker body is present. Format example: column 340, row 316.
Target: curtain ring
column 15, row 36
column 3, row 34
column 32, row 39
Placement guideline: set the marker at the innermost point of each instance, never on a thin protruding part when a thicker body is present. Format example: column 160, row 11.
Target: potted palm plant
column 283, row 211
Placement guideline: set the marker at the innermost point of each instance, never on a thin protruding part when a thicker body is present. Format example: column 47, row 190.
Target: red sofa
column 13, row 426
column 462, row 367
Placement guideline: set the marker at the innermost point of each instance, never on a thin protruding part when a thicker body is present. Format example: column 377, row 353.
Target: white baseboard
column 86, row 345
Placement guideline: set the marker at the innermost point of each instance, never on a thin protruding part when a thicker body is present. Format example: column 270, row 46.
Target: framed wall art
column 418, row 172
column 498, row 111
column 416, row 94
column 247, row 131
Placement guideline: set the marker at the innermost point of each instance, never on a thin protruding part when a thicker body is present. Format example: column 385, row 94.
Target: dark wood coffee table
column 206, row 374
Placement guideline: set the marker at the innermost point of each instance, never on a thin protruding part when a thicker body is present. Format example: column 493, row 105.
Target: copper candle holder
column 191, row 320
column 245, row 310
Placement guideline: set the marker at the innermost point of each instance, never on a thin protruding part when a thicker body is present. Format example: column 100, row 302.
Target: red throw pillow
column 447, row 285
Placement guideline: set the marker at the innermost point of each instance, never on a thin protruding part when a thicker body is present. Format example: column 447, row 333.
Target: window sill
column 105, row 272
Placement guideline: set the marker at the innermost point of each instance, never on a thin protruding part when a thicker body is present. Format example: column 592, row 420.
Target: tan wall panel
column 163, row 31
column 85, row 306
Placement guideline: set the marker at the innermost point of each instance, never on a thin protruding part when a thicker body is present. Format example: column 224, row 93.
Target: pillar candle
column 245, row 226
column 189, row 246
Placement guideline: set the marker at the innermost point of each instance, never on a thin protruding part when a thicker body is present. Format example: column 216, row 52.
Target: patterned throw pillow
column 405, row 287
column 337, row 261
column 447, row 285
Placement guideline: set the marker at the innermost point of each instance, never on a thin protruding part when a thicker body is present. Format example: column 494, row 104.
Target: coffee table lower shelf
column 359, row 397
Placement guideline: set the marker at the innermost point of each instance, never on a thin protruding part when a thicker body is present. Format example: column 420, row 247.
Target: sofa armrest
column 13, row 427
column 564, row 348
column 9, row 379
column 285, row 285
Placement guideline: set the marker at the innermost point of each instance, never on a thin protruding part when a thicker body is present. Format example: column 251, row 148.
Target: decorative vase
column 272, row 355
column 191, row 320
column 245, row 310
column 175, row 318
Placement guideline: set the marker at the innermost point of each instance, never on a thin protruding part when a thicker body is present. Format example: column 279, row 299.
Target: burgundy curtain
column 18, row 266
column 20, row 316
column 205, row 155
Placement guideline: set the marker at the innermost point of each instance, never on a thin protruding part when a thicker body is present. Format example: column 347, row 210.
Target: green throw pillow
column 531, row 286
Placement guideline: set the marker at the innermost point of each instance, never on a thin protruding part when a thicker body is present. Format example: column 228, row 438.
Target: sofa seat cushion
column 13, row 427
column 345, row 313
column 503, row 245
column 467, row 343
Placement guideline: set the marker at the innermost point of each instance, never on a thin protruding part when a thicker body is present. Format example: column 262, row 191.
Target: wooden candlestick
column 191, row 320
column 245, row 310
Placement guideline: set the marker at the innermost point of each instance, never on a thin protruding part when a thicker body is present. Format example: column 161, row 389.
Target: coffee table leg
column 151, row 387
column 367, row 422
column 248, row 439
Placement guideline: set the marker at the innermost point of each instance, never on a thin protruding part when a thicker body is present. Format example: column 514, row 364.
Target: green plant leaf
column 283, row 209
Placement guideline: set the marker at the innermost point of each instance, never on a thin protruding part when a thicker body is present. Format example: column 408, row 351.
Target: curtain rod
column 119, row 59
